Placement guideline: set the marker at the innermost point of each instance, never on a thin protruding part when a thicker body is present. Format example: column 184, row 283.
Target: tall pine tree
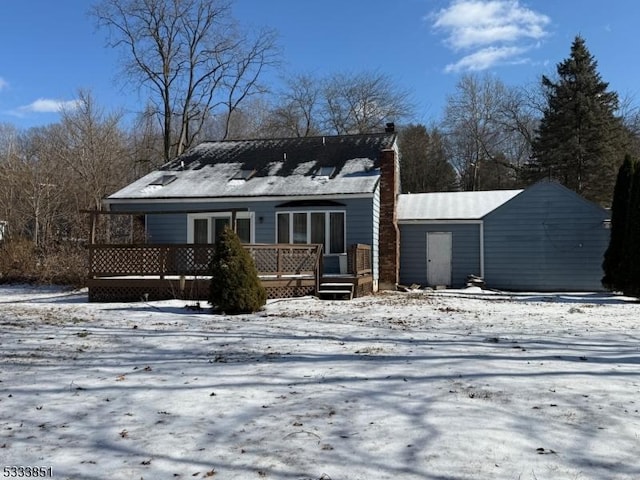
column 580, row 140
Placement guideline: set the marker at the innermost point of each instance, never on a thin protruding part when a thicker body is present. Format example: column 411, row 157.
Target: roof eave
column 257, row 198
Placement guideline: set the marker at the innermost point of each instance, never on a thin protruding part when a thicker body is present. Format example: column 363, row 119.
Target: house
column 334, row 191
column 321, row 213
column 543, row 238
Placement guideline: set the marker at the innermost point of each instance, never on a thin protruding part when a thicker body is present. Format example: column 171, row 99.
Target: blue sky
column 50, row 49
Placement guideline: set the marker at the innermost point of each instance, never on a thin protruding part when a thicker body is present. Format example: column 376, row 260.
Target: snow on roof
column 451, row 205
column 280, row 167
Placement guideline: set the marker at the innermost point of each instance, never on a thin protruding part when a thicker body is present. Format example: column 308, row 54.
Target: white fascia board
column 439, row 222
column 289, row 198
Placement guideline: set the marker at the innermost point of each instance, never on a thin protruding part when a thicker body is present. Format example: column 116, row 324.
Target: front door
column 439, row 258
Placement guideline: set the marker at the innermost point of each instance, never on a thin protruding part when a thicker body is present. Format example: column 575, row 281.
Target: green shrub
column 235, row 286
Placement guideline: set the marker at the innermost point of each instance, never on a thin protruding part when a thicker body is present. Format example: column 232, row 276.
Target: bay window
column 299, row 230
column 282, row 233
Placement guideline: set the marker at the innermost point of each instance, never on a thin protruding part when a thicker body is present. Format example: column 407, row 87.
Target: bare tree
column 517, row 120
column 337, row 104
column 31, row 191
column 50, row 175
column 363, row 102
column 91, row 148
column 146, row 141
column 489, row 129
column 10, row 184
column 191, row 55
column 54, row 172
column 630, row 114
column 8, row 153
column 8, row 140
column 297, row 113
column 251, row 120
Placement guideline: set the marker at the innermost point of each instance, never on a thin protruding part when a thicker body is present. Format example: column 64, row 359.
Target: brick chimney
column 389, row 246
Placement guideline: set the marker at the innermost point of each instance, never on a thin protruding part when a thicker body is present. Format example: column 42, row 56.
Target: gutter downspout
column 482, row 249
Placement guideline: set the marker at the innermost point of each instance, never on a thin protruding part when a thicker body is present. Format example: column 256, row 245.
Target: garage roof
column 451, row 205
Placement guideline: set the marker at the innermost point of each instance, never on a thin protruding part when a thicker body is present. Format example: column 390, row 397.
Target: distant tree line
column 204, row 75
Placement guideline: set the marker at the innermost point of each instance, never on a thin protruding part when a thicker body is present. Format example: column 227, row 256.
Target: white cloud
column 485, row 58
column 43, row 105
column 3, row 84
column 47, row 105
column 491, row 31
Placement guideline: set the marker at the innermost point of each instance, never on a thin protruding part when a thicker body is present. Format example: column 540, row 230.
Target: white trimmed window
column 207, row 227
column 324, row 227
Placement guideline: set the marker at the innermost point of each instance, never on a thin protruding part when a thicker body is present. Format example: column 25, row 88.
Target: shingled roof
column 267, row 167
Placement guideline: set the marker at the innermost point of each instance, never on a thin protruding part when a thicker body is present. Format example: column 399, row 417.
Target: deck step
column 334, row 289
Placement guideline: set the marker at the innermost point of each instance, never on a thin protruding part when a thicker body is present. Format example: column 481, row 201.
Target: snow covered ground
column 421, row 385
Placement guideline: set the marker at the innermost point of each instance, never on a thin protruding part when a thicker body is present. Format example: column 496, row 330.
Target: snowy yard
column 447, row 385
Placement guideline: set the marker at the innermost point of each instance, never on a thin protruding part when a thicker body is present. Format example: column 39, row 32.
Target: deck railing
column 278, row 260
column 359, row 259
column 131, row 270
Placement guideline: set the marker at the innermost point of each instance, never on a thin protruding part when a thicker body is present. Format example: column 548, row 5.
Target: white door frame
column 210, row 217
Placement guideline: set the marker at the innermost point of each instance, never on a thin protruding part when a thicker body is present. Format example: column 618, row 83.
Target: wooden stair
column 335, row 290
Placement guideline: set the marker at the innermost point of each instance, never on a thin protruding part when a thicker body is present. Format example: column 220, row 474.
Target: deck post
column 163, row 262
column 278, row 262
column 319, row 268
column 182, row 285
column 93, row 217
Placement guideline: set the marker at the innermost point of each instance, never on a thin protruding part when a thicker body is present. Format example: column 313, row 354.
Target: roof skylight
column 163, row 180
column 244, row 174
column 325, row 172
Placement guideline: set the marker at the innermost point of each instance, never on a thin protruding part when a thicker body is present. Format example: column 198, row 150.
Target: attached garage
column 544, row 238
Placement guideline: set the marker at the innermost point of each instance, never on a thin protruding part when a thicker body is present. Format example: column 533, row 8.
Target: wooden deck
column 126, row 273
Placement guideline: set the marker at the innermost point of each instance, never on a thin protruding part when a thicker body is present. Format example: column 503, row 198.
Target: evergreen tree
column 424, row 165
column 614, row 258
column 580, row 140
column 235, row 286
column 631, row 249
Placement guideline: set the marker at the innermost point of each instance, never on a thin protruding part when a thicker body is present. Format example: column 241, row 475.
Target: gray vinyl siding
column 545, row 239
column 172, row 228
column 465, row 239
column 169, row 228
